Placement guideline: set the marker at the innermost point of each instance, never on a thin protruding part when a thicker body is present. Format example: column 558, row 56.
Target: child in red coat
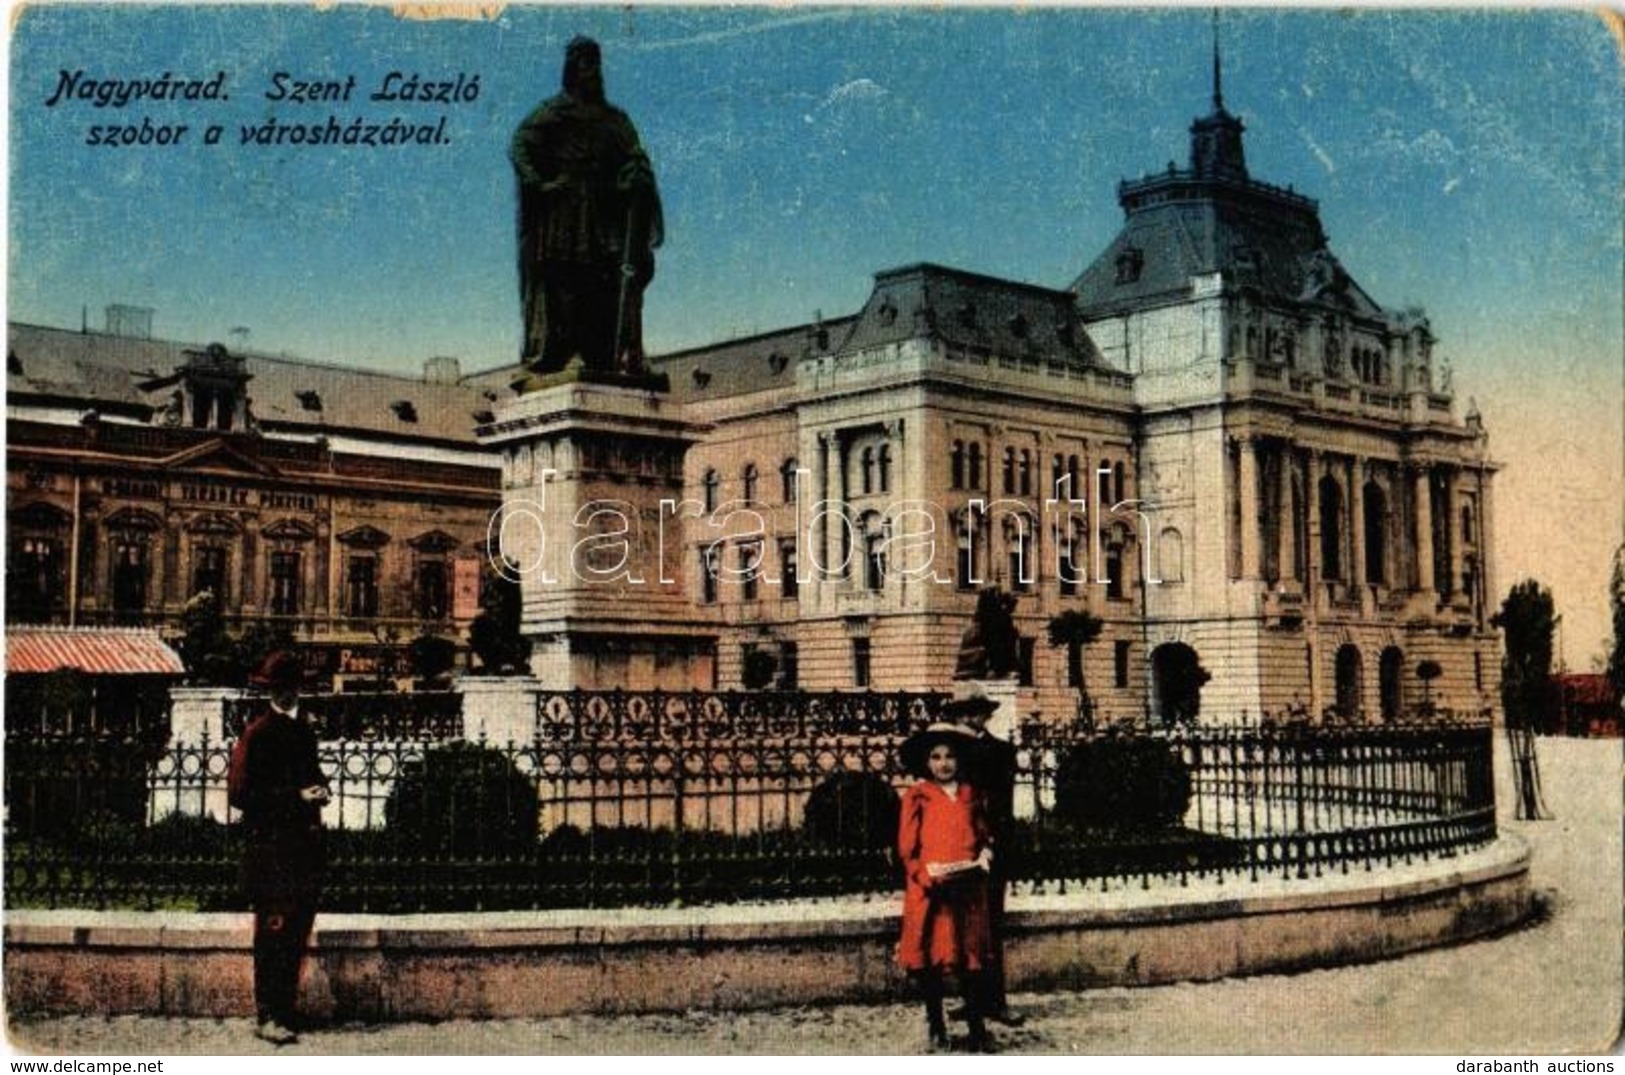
column 944, row 842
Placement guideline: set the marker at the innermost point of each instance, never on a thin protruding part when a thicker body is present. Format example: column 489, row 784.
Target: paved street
column 1552, row 987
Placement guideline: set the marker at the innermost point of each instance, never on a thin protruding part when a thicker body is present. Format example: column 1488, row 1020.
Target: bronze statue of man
column 589, row 221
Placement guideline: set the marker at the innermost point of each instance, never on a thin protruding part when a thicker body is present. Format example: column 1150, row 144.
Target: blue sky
column 1468, row 162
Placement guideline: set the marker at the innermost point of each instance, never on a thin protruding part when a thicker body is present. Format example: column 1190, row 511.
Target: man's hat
column 282, row 669
column 917, row 747
column 971, row 700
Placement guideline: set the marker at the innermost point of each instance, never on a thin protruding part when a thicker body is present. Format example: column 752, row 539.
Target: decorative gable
column 364, row 537
column 435, row 541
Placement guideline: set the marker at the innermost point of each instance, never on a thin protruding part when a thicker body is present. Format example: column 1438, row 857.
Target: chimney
column 131, row 322
column 442, row 369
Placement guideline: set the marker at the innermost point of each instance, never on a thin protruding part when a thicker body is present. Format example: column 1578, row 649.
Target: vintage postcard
column 814, row 530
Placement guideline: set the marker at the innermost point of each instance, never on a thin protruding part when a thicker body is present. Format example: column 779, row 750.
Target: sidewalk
column 1554, row 987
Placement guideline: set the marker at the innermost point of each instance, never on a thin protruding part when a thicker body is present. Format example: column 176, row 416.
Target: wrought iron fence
column 427, row 715
column 628, row 799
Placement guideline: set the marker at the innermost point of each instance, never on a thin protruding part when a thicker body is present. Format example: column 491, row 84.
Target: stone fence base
column 530, row 964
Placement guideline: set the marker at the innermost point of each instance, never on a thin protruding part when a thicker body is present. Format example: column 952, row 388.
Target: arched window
column 1026, row 472
column 868, row 464
column 1467, row 525
column 1114, row 539
column 1391, row 682
column 750, row 483
column 1331, row 528
column 975, row 453
column 712, row 482
column 787, row 473
column 1349, row 700
column 1103, row 483
column 1010, row 470
column 885, row 468
column 1376, row 534
column 965, row 539
column 1018, row 535
column 1057, row 468
column 1118, row 484
column 874, row 553
column 956, row 466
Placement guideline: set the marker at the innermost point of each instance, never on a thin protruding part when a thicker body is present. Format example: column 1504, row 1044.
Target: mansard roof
column 749, row 364
column 952, row 307
column 974, row 312
column 1212, row 217
column 136, row 378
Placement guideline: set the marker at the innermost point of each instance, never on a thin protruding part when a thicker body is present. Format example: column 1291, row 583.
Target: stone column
column 831, row 502
column 1424, row 530
column 1452, row 531
column 1247, row 479
column 1486, row 539
column 1356, row 471
column 1285, row 548
column 1311, row 501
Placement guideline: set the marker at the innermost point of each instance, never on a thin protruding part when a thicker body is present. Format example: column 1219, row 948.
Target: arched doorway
column 1349, row 702
column 1391, row 682
column 1177, row 676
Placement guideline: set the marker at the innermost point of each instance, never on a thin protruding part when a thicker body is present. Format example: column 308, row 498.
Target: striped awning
column 95, row 650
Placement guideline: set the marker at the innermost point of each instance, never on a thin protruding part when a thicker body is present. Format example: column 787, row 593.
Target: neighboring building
column 350, row 507
column 1587, row 705
column 1309, row 520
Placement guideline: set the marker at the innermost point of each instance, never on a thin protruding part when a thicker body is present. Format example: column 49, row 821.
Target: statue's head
column 583, row 69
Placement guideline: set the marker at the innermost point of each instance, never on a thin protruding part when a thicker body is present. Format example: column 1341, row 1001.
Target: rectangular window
column 860, row 662
column 209, row 571
column 34, row 580
column 1120, row 652
column 361, row 580
column 789, row 666
column 432, row 590
column 1067, row 571
column 787, row 570
column 708, row 575
column 129, row 576
column 750, row 570
column 1024, row 661
column 284, row 598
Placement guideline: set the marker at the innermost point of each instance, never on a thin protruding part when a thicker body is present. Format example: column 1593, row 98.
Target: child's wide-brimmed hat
column 917, row 747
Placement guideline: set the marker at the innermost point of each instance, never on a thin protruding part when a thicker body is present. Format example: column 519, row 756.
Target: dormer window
column 1018, row 327
column 1130, row 263
column 310, row 400
column 404, row 410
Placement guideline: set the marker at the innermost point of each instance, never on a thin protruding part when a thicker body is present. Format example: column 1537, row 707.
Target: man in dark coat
column 992, row 771
column 277, row 784
column 589, row 222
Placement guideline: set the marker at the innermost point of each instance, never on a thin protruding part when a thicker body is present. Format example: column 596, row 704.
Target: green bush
column 853, row 812
column 463, row 800
column 1122, row 784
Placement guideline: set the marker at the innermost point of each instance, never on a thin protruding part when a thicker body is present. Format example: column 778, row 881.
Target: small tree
column 1075, row 629
column 1528, row 625
column 1616, row 595
column 211, row 657
column 432, row 656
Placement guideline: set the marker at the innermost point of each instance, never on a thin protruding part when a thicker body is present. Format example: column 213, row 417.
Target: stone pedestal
column 499, row 709
column 592, row 526
column 197, row 717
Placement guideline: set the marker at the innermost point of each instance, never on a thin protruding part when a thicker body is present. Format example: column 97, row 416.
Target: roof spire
column 1218, row 70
